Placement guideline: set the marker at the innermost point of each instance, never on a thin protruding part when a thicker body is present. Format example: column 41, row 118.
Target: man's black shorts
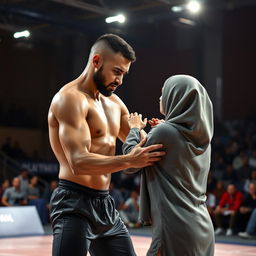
column 86, row 219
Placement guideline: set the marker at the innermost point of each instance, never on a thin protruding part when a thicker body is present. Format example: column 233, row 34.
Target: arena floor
column 41, row 246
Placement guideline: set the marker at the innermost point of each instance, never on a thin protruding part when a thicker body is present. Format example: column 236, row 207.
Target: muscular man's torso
column 103, row 118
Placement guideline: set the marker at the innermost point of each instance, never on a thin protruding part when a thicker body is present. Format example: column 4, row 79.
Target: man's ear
column 96, row 60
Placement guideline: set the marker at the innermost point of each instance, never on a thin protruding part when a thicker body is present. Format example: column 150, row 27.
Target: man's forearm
column 5, row 202
column 87, row 163
column 96, row 164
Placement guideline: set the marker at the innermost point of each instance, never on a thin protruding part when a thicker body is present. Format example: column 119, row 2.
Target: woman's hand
column 155, row 121
column 135, row 121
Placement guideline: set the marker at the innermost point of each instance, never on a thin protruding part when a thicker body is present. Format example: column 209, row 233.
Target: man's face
column 100, row 82
column 16, row 183
column 110, row 75
column 24, row 174
column 252, row 189
column 231, row 189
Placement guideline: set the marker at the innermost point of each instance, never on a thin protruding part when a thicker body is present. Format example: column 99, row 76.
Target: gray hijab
column 187, row 107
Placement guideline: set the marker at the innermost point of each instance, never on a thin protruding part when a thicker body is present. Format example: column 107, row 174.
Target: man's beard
column 99, row 81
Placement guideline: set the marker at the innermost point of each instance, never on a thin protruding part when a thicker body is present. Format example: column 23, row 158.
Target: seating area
column 233, row 172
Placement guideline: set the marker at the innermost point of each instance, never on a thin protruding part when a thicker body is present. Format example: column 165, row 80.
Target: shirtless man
column 85, row 118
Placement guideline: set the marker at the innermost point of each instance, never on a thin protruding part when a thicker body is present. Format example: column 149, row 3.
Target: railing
column 8, row 166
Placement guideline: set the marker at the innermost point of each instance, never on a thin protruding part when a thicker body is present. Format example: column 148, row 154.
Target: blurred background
column 214, row 42
column 45, row 44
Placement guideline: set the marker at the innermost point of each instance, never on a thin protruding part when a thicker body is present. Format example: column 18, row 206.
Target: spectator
column 230, row 175
column 250, row 227
column 219, row 190
column 228, row 206
column 230, row 152
column 14, row 195
column 239, row 161
column 33, row 190
column 252, row 159
column 117, row 196
column 5, row 184
column 23, row 177
column 130, row 210
column 243, row 174
column 33, row 193
column 248, row 205
column 218, row 165
column 211, row 204
column 248, row 181
column 48, row 191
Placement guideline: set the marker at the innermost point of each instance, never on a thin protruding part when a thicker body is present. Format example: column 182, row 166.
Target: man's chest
column 104, row 119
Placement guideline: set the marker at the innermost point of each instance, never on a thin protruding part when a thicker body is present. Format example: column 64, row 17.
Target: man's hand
column 142, row 157
column 135, row 121
column 155, row 121
column 245, row 210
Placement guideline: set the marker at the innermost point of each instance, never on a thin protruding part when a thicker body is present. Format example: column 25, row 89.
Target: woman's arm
column 136, row 124
column 131, row 141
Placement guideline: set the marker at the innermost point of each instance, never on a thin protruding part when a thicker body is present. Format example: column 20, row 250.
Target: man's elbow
column 4, row 202
column 79, row 168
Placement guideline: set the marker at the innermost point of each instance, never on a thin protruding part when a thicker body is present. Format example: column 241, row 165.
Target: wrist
column 135, row 127
column 128, row 160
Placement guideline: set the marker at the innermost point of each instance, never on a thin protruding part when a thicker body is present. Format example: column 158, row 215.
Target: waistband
column 66, row 184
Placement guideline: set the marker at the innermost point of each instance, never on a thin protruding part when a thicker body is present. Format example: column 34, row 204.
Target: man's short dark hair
column 118, row 44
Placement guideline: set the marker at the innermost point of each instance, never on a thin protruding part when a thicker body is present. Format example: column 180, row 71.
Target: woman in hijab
column 173, row 191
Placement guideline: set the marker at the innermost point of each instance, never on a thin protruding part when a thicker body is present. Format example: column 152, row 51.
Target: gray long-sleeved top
column 173, row 191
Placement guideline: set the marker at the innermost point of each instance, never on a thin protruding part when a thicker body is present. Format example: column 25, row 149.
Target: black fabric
column 249, row 202
column 86, row 219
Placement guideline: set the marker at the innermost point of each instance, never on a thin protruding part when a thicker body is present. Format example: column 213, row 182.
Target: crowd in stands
column 231, row 188
column 26, row 189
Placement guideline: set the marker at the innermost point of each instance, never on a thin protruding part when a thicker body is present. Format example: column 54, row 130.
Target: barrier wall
column 20, row 221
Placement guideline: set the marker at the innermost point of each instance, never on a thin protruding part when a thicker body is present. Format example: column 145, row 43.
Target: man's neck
column 87, row 85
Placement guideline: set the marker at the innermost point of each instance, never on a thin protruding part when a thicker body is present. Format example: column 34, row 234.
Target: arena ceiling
column 88, row 16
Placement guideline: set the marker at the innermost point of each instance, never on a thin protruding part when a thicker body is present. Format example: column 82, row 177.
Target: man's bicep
column 74, row 139
column 124, row 126
column 74, row 132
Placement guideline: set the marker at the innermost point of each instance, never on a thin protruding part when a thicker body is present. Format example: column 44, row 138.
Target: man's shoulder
column 116, row 99
column 68, row 97
column 8, row 190
column 128, row 201
column 70, row 91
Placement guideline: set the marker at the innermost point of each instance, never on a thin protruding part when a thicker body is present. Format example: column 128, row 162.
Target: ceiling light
column 24, row 33
column 177, row 8
column 118, row 18
column 194, row 6
column 187, row 21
